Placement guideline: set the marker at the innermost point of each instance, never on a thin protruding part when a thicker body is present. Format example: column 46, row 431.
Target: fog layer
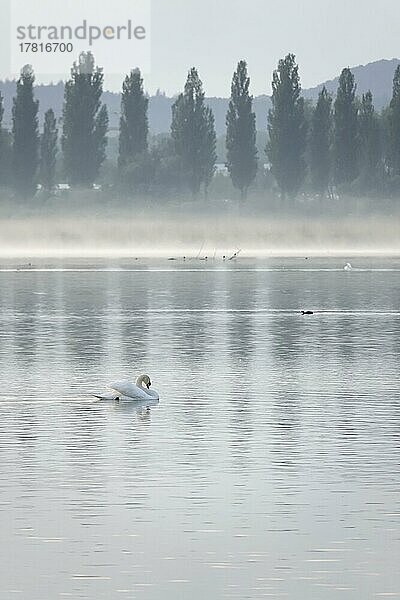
column 201, row 236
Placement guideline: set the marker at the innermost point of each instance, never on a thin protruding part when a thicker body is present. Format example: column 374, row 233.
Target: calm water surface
column 269, row 469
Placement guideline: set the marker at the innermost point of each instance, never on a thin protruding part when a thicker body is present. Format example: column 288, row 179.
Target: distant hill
column 376, row 76
column 51, row 96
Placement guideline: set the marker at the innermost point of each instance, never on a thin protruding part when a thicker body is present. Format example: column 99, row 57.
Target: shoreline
column 119, row 254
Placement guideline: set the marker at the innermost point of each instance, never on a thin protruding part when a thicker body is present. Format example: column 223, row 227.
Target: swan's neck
column 139, row 382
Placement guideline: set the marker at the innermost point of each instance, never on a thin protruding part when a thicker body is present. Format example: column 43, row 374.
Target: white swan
column 348, row 267
column 125, row 390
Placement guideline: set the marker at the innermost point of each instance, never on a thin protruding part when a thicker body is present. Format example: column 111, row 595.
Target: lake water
column 270, row 467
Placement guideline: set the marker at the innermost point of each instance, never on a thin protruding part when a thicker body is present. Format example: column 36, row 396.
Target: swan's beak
column 148, row 385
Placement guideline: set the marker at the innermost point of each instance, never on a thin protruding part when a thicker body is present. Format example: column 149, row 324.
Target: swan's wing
column 108, row 396
column 126, row 388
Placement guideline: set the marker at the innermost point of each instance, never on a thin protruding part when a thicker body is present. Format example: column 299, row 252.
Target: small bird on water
column 307, row 312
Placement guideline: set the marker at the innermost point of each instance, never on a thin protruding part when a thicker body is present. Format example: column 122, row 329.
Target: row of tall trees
column 338, row 143
column 83, row 140
column 189, row 157
column 192, row 144
column 84, row 132
column 341, row 143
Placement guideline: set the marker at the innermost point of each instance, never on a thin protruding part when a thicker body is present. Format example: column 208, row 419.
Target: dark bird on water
column 307, row 312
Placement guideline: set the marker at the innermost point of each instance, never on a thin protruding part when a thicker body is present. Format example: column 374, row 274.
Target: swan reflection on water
column 138, row 408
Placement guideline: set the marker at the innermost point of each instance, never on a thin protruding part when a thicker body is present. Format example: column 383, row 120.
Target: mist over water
column 196, row 230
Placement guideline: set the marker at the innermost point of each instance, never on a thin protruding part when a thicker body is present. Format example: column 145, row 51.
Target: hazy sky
column 325, row 35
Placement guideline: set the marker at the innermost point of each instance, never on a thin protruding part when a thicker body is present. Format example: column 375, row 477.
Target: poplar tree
column 85, row 122
column 1, row 112
column 100, row 138
column 394, row 125
column 25, row 135
column 209, row 153
column 321, row 143
column 287, row 128
column 2, row 140
column 6, row 175
column 346, row 134
column 193, row 134
column 48, row 151
column 370, row 143
column 241, row 132
column 134, row 125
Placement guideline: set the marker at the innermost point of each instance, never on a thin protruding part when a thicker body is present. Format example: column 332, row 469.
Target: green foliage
column 287, row 128
column 85, row 122
column 100, row 136
column 321, row 142
column 6, row 177
column 157, row 171
column 346, row 131
column 169, row 173
column 193, row 133
column 370, row 145
column 134, row 126
column 48, row 151
column 209, row 154
column 241, row 132
column 138, row 174
column 25, row 135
